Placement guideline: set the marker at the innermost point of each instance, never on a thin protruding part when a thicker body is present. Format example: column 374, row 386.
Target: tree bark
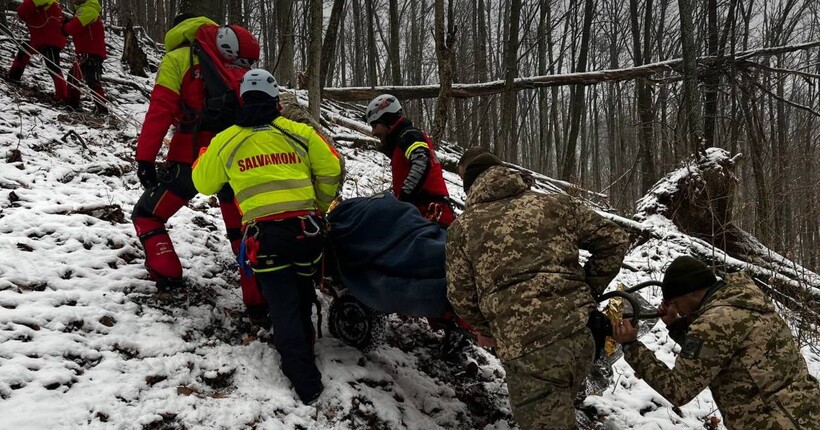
column 212, row 9
column 544, row 135
column 690, row 104
column 283, row 67
column 756, row 136
column 371, row 44
column 395, row 54
column 444, row 39
column 577, row 107
column 711, row 81
column 643, row 97
column 508, row 136
column 482, row 74
column 235, row 15
column 359, row 48
column 315, row 62
column 330, row 42
column 269, row 40
column 132, row 53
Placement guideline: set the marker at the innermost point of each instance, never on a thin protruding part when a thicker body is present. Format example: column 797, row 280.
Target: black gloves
column 147, row 174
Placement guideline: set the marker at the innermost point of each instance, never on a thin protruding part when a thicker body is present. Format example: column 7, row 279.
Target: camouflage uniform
column 513, row 272
column 743, row 351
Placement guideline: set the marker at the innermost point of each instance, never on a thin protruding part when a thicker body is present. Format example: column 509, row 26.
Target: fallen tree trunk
column 691, row 208
column 741, row 59
column 697, row 199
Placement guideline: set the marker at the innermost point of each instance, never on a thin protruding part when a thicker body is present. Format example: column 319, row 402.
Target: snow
column 83, row 343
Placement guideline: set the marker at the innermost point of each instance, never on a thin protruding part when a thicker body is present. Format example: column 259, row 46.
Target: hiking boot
column 258, row 316
column 13, row 76
column 455, row 343
column 161, row 259
column 71, row 105
column 168, row 288
column 313, row 398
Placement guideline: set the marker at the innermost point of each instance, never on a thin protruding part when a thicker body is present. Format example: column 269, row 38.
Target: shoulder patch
column 691, row 347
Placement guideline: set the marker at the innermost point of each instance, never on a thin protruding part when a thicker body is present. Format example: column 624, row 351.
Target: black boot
column 14, row 75
column 455, row 344
column 259, row 316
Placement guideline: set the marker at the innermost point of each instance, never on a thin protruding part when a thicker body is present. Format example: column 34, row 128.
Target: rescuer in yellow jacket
column 284, row 174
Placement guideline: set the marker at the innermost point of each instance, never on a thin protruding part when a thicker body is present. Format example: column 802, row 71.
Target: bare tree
column 646, row 112
column 331, row 37
column 445, row 68
column 315, row 61
column 395, row 57
column 577, row 108
column 508, row 136
column 235, row 14
column 689, row 105
column 371, row 44
column 283, row 67
column 213, row 9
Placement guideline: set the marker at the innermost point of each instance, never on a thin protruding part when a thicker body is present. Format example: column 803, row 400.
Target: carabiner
column 318, row 229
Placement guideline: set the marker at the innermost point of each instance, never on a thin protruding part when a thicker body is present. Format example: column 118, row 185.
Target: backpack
column 221, row 84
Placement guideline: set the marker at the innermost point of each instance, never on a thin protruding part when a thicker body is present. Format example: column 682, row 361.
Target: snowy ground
column 83, row 342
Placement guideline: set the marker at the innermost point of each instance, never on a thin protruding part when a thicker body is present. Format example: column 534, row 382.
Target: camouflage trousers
column 543, row 383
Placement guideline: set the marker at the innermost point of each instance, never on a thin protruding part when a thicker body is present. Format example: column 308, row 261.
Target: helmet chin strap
column 396, row 124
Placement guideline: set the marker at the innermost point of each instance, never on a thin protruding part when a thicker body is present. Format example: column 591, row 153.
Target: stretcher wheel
column 354, row 323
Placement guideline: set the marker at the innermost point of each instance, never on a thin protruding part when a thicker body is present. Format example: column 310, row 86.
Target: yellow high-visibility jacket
column 271, row 172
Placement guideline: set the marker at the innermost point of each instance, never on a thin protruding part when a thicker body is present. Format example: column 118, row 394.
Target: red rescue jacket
column 44, row 19
column 87, row 29
column 179, row 92
column 403, row 136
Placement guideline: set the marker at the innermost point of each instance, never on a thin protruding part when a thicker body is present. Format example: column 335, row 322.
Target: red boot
column 161, row 259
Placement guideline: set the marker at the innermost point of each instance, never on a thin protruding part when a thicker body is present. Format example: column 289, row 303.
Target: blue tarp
column 388, row 256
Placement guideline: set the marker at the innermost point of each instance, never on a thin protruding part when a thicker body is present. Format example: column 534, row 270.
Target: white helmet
column 227, row 42
column 381, row 105
column 259, row 80
column 237, row 45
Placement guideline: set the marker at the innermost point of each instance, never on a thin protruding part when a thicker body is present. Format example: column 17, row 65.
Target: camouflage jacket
column 512, row 262
column 743, row 351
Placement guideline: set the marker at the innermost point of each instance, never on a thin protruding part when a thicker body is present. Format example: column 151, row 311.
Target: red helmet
column 238, row 45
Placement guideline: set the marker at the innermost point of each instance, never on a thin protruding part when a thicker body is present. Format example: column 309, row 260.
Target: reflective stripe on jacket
column 403, row 139
column 271, row 172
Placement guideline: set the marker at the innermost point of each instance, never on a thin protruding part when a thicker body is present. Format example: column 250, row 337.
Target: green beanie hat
column 685, row 275
column 477, row 166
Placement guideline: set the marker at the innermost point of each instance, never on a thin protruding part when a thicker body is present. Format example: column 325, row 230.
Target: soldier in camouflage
column 733, row 342
column 513, row 273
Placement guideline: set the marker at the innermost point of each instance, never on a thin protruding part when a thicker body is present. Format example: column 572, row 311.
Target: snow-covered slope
column 83, row 342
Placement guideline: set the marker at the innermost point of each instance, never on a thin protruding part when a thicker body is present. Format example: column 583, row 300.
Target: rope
column 82, row 88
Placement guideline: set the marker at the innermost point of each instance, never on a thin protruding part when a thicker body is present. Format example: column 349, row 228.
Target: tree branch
column 585, row 78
